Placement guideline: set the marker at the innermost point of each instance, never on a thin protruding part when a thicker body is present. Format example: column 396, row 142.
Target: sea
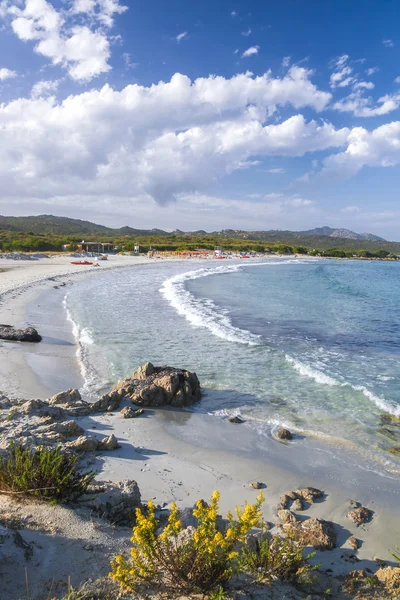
column 312, row 345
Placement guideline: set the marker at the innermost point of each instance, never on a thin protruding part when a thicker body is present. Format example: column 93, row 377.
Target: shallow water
column 309, row 344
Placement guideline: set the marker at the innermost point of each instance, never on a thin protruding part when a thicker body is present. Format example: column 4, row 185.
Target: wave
column 204, row 312
column 324, row 379
column 84, row 340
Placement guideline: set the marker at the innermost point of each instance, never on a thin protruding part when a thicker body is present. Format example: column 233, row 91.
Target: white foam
column 204, row 313
column 324, row 379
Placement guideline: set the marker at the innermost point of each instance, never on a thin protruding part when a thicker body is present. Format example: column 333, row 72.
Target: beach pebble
column 359, row 515
column 235, row 419
column 285, row 434
column 257, row 485
column 353, row 542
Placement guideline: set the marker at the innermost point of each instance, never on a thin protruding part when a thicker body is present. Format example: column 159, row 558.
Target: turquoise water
column 312, row 345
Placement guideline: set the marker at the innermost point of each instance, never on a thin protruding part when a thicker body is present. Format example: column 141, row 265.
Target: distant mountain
column 342, row 233
column 48, row 224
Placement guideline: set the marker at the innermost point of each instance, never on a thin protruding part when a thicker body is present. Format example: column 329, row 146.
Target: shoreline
column 169, row 454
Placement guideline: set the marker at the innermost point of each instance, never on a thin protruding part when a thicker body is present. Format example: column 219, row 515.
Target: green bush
column 46, row 473
column 277, row 558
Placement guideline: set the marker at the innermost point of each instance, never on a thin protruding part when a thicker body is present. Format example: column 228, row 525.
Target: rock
column 67, row 428
column 42, row 409
column 144, row 371
column 67, row 397
column 109, row 443
column 8, row 332
column 353, row 543
column 158, row 386
column 118, row 501
column 285, row 434
column 84, row 443
column 390, row 578
column 107, row 403
column 359, row 515
column 310, row 494
column 235, row 419
column 257, row 485
column 298, row 504
column 284, row 502
column 354, row 503
column 286, row 516
column 314, row 532
column 129, row 413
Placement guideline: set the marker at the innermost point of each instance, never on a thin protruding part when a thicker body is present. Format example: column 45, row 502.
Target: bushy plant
column 199, row 559
column 277, row 558
column 48, row 473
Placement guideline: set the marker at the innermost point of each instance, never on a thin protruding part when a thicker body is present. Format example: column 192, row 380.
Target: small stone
column 109, row 443
column 285, row 434
column 130, row 413
column 359, row 515
column 235, row 419
column 257, row 485
column 353, row 542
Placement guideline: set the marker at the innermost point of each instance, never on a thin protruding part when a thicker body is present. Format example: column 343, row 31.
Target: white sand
column 168, row 468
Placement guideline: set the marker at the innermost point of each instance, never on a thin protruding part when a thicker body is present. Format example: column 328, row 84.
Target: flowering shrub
column 193, row 560
column 278, row 558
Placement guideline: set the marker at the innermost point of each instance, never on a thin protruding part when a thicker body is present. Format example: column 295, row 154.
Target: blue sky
column 247, row 114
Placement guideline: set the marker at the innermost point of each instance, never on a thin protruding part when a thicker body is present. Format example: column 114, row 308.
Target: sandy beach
column 174, row 455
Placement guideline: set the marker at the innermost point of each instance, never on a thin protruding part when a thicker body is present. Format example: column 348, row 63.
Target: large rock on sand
column 118, row 501
column 8, row 332
column 314, row 532
column 159, row 386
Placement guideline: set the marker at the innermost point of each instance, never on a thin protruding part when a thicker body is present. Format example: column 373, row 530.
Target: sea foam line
column 204, row 313
column 323, row 378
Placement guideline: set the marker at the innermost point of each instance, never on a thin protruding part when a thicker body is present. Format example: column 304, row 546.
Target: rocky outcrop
column 117, row 501
column 160, row 386
column 107, row 403
column 84, row 443
column 359, row 515
column 8, row 332
column 286, row 516
column 109, row 443
column 71, row 402
column 318, row 533
column 389, row 577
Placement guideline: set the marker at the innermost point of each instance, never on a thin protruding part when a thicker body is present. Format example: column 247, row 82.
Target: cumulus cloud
column 377, row 148
column 341, row 77
column 157, row 141
column 250, row 51
column 388, row 43
column 247, row 32
column 397, row 80
column 42, row 89
column 286, row 61
column 371, row 71
column 83, row 49
column 7, row 74
column 363, row 107
column 181, row 36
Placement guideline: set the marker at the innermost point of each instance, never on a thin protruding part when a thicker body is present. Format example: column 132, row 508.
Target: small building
column 97, row 247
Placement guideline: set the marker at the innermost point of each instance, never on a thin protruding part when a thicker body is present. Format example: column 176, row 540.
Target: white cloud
column 102, row 10
column 351, row 209
column 181, row 36
column 341, row 75
column 247, row 32
column 286, row 61
column 80, row 49
column 250, row 51
column 362, row 107
column 158, row 141
column 372, row 70
column 233, row 14
column 236, row 51
column 397, row 80
column 377, row 148
column 7, row 74
column 42, row 89
column 366, row 85
column 277, row 170
column 388, row 43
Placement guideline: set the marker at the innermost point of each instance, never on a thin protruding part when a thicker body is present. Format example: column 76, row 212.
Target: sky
column 242, row 114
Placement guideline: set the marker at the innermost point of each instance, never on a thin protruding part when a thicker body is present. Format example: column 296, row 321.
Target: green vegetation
column 278, row 558
column 198, row 560
column 46, row 473
column 47, row 233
